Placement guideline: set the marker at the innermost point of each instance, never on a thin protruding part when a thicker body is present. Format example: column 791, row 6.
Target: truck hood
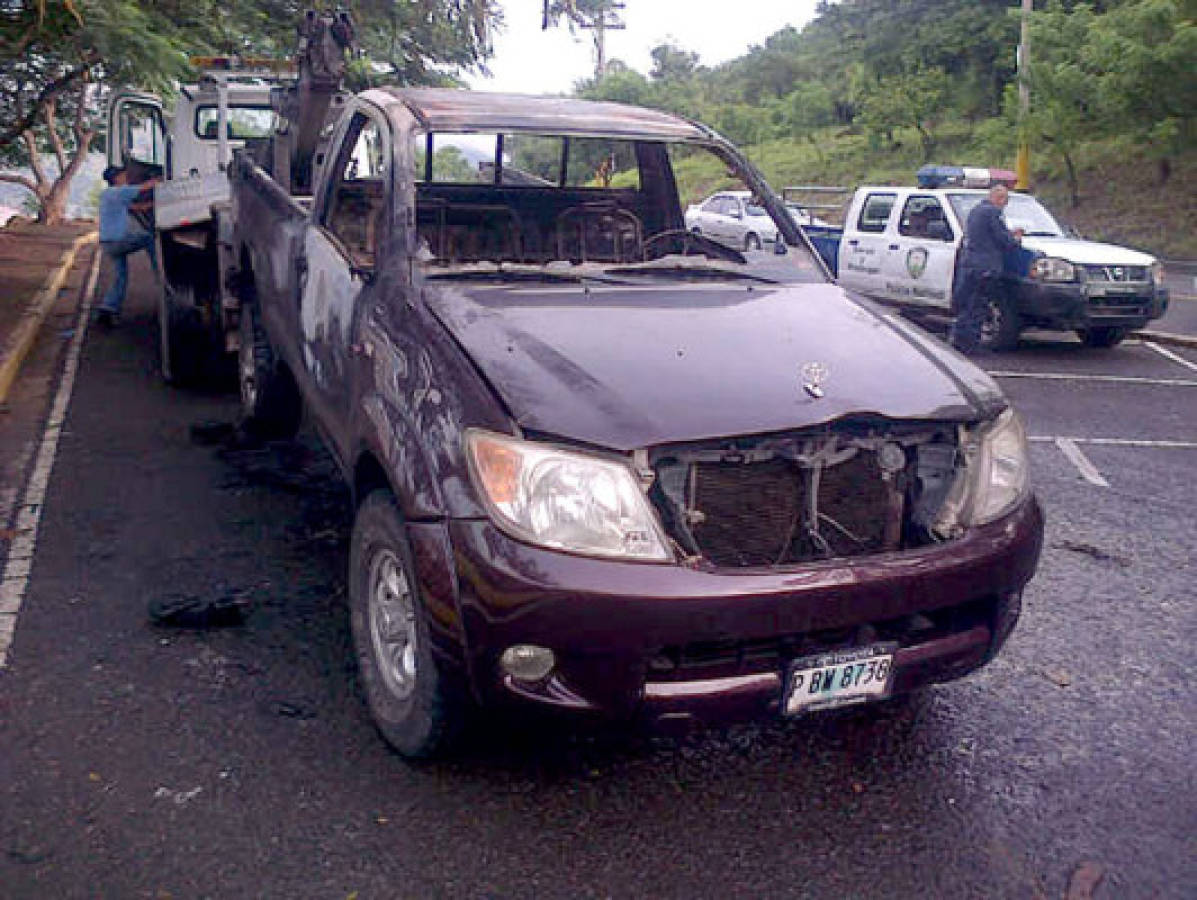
column 1087, row 253
column 629, row 367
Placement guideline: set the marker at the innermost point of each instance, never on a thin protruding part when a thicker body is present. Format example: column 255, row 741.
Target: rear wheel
column 182, row 337
column 411, row 700
column 1104, row 336
column 270, row 403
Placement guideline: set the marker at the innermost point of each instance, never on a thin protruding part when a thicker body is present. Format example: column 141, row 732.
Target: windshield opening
column 1022, row 212
column 523, row 199
column 243, row 122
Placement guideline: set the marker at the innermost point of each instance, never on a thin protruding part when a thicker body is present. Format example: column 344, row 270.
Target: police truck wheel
column 1002, row 325
column 270, row 403
column 410, row 699
column 1104, row 336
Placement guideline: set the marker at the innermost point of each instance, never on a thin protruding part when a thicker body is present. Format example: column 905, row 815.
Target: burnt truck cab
column 602, row 465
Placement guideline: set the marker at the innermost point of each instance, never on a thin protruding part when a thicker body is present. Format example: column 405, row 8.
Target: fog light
column 527, row 662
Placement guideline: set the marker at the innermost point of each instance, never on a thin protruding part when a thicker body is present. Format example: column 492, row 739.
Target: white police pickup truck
column 901, row 245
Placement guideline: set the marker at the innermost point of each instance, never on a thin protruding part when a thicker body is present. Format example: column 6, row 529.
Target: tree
column 1141, row 55
column 57, row 55
column 1064, row 98
column 915, row 99
column 49, row 67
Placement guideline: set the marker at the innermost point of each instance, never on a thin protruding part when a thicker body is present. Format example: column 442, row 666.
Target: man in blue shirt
column 986, row 240
column 120, row 237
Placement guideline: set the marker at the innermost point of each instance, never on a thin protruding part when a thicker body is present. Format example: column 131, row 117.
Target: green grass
column 1122, row 199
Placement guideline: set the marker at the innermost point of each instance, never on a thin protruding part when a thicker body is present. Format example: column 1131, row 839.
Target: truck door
column 864, row 245
column 338, row 272
column 920, row 257
column 137, row 135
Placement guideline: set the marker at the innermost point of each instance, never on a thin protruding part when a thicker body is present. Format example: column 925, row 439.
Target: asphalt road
column 141, row 762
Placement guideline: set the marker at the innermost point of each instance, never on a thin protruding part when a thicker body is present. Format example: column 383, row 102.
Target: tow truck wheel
column 413, row 706
column 1002, row 324
column 752, row 242
column 270, row 403
column 1102, row 337
column 182, row 337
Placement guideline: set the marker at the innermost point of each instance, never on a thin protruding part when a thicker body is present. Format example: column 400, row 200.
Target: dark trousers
column 974, row 288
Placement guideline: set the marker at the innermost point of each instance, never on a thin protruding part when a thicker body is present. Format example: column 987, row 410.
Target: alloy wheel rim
column 392, row 623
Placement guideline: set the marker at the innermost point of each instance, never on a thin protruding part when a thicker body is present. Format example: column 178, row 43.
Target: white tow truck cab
column 902, row 245
column 190, row 150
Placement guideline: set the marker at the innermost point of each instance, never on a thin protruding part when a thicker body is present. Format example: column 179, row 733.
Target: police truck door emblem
column 813, row 376
column 916, row 262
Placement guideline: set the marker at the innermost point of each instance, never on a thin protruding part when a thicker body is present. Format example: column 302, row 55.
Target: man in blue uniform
column 986, row 241
column 120, row 237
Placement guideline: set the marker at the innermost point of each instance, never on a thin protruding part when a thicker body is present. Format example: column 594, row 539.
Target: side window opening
column 923, row 217
column 875, row 212
column 356, row 210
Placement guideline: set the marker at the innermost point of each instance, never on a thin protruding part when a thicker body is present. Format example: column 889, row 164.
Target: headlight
column 1049, row 268
column 1157, row 273
column 1000, row 469
column 563, row 499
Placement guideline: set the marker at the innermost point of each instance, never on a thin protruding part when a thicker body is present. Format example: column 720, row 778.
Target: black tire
column 271, row 406
column 1002, row 325
column 752, row 241
column 182, row 339
column 1104, row 336
column 413, row 704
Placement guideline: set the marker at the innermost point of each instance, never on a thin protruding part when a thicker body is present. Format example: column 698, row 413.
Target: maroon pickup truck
column 602, row 465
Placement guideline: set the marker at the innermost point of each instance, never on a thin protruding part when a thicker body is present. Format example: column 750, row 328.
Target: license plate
column 839, row 678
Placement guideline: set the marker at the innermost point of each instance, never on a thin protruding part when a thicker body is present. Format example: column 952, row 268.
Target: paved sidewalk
column 30, row 258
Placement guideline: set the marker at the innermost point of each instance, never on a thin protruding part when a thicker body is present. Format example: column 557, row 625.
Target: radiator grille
column 1117, row 273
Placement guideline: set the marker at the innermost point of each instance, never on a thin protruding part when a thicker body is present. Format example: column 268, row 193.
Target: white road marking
column 1168, row 354
column 1115, row 442
column 19, row 563
column 1081, row 461
column 1118, row 379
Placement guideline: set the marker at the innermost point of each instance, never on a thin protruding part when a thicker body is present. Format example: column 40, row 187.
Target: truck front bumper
column 1078, row 305
column 635, row 640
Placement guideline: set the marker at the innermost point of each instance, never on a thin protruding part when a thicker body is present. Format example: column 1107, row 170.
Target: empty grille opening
column 854, row 506
column 748, row 511
column 781, row 501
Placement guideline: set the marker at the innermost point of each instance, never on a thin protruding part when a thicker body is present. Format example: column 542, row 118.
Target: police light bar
column 963, row 176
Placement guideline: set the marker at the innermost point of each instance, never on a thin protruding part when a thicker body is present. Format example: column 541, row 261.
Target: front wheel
column 413, row 706
column 1104, row 336
column 1002, row 324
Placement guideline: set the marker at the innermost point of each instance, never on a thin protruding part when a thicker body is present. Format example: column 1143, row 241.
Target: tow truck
column 253, row 103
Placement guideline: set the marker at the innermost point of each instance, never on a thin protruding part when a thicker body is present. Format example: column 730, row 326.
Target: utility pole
column 1023, row 167
column 599, row 16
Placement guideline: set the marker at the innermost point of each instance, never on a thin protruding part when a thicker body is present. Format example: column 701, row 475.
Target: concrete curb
column 1163, row 337
column 21, row 342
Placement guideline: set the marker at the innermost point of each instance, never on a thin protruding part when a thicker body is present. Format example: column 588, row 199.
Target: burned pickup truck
column 601, row 465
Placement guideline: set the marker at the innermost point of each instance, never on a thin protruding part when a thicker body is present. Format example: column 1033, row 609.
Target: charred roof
column 442, row 109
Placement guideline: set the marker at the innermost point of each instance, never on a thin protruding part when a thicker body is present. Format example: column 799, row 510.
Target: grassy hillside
column 1121, row 197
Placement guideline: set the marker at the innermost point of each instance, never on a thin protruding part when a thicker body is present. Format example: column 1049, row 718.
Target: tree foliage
column 57, row 56
column 897, row 69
